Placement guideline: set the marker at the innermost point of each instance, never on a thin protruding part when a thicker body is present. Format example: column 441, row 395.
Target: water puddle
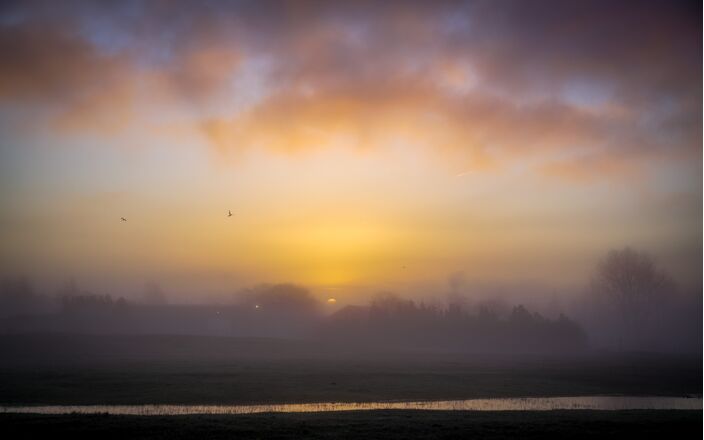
column 608, row 403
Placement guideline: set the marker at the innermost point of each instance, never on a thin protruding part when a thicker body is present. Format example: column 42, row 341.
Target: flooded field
column 603, row 403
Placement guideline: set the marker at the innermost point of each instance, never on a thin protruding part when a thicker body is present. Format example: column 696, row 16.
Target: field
column 358, row 425
column 72, row 369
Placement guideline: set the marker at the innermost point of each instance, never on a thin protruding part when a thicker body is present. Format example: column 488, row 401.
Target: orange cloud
column 48, row 63
column 416, row 111
column 591, row 167
column 480, row 80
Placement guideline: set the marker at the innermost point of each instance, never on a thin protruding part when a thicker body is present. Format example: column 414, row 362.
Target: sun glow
column 341, row 171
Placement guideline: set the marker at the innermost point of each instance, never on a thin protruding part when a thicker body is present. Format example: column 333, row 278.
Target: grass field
column 365, row 425
column 73, row 369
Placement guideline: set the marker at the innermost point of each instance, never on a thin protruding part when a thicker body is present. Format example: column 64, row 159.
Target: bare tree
column 154, row 295
column 455, row 298
column 632, row 284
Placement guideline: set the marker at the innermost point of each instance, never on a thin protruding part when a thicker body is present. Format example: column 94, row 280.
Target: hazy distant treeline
column 290, row 311
column 631, row 305
column 392, row 320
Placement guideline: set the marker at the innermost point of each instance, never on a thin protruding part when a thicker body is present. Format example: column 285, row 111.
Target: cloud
column 51, row 63
column 488, row 79
column 592, row 167
column 414, row 109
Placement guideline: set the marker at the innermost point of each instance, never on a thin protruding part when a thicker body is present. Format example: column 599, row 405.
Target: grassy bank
column 371, row 424
column 201, row 370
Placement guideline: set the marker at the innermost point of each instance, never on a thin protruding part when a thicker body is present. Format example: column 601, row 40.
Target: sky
column 360, row 146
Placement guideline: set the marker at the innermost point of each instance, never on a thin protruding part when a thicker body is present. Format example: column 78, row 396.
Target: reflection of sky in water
column 607, row 403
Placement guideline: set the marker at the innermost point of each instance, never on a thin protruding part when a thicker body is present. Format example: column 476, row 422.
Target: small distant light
column 332, row 300
column 256, row 306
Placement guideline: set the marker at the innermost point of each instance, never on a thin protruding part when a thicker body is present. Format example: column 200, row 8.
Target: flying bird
column 123, row 219
column 229, row 213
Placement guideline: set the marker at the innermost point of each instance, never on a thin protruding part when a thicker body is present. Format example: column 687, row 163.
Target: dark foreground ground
column 364, row 425
column 80, row 369
column 84, row 370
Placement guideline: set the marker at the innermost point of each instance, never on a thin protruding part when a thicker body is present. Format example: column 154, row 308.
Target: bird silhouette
column 123, row 219
column 229, row 213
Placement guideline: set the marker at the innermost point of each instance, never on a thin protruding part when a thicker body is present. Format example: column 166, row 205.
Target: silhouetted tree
column 280, row 310
column 282, row 298
column 17, row 297
column 153, row 294
column 392, row 320
column 631, row 283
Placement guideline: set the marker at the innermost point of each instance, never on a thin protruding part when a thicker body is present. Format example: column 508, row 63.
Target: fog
column 630, row 304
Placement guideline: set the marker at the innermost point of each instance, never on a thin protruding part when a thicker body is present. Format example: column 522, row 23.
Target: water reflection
column 609, row 403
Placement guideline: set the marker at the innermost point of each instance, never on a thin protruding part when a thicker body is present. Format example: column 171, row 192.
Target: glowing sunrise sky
column 508, row 140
